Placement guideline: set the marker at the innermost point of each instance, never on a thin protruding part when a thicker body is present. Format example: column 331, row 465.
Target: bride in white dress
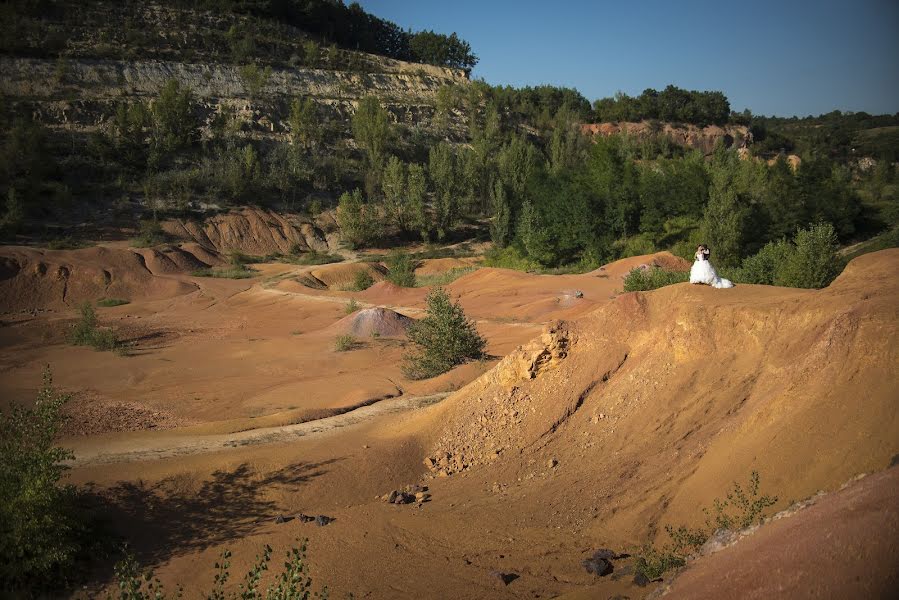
column 702, row 271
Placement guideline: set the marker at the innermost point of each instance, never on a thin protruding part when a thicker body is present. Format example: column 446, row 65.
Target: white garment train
column 702, row 271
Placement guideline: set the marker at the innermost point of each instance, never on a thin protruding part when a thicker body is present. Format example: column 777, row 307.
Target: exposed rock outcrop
column 703, row 139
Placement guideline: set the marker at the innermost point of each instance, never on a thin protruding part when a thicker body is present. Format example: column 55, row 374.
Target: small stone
column 598, row 566
column 282, row 519
column 322, row 520
column 305, row 518
column 552, row 463
column 391, row 497
column 641, row 580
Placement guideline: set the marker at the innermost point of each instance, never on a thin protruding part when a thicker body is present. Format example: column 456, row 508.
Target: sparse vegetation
column 292, row 582
column 442, row 279
column 351, row 306
column 87, row 331
column 739, row 509
column 362, row 280
column 311, row 258
column 443, row 339
column 344, row 343
column 150, row 233
column 44, row 531
column 232, row 272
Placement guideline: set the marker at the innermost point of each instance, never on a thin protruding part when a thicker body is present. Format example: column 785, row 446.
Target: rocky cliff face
column 82, row 94
column 703, row 139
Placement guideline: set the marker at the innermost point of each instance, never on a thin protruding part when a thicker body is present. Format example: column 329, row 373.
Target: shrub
column 362, row 280
column 810, row 261
column 41, row 533
column 313, row 258
column 652, row 563
column 641, row 280
column 401, row 269
column 110, row 302
column 444, row 338
column 509, row 258
column 343, row 343
column 740, row 509
column 351, row 306
column 87, row 332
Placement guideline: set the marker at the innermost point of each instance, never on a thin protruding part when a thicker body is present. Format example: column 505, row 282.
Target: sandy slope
column 595, row 434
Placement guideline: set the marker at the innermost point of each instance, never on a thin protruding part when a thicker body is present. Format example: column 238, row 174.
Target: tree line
column 673, row 104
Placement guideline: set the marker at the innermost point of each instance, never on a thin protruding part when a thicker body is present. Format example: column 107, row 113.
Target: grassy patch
column 87, row 332
column 362, row 280
column 888, row 239
column 509, row 258
column 150, row 233
column 345, row 343
column 310, row 258
column 110, row 302
column 68, row 243
column 232, row 272
column 351, row 306
column 444, row 278
column 641, row 280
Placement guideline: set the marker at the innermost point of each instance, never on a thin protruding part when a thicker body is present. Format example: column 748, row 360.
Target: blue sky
column 774, row 57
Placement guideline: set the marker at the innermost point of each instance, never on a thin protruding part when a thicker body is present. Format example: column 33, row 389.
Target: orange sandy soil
column 634, row 413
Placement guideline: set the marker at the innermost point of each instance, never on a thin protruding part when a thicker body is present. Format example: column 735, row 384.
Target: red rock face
column 703, row 139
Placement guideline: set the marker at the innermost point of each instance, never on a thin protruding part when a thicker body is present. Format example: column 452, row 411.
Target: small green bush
column 641, row 280
column 343, row 343
column 42, row 531
column 362, row 280
column 443, row 339
column 401, row 269
column 110, row 302
column 653, row 563
column 810, row 261
column 312, row 258
column 88, row 333
column 739, row 509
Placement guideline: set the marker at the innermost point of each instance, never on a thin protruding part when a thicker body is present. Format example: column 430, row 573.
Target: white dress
column 702, row 271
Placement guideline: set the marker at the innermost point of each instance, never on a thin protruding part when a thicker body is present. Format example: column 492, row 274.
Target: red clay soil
column 369, row 322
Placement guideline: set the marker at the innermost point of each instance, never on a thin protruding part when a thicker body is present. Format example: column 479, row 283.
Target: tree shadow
column 181, row 514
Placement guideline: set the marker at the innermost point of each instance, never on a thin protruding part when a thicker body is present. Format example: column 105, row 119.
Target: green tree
column 400, row 268
column 175, row 126
column 444, row 177
column 305, row 128
column 416, row 192
column 443, row 339
column 394, row 183
column 517, row 162
column 814, row 263
column 254, row 79
column 722, row 224
column 371, row 128
column 501, row 221
column 357, row 219
column 42, row 532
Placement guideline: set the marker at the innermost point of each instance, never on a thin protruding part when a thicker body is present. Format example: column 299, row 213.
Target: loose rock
column 504, row 578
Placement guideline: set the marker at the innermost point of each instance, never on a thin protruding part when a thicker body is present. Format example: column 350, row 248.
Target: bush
column 87, row 332
column 41, row 534
column 362, row 280
column 444, row 338
column 444, row 278
column 641, row 280
column 401, row 269
column 509, row 258
column 313, row 258
column 351, row 306
column 810, row 261
column 343, row 343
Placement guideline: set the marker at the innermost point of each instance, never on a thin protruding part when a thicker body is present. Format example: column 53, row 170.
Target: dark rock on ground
column 282, row 519
column 598, row 566
column 641, row 580
column 322, row 520
column 305, row 518
column 504, row 578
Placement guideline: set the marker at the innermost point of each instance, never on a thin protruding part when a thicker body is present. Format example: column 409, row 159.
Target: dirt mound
column 33, row 278
column 682, row 390
column 379, row 322
column 258, row 232
column 342, row 276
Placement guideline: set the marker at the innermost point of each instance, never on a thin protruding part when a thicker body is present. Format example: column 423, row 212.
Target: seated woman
column 702, row 270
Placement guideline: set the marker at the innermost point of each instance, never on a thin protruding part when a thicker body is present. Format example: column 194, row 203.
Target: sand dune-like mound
column 662, row 399
column 341, row 276
column 376, row 321
column 36, row 278
column 257, row 231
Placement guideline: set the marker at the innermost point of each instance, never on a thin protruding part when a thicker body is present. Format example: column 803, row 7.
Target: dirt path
column 173, row 443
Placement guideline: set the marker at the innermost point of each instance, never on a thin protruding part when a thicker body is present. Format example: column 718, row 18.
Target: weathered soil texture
column 604, row 417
